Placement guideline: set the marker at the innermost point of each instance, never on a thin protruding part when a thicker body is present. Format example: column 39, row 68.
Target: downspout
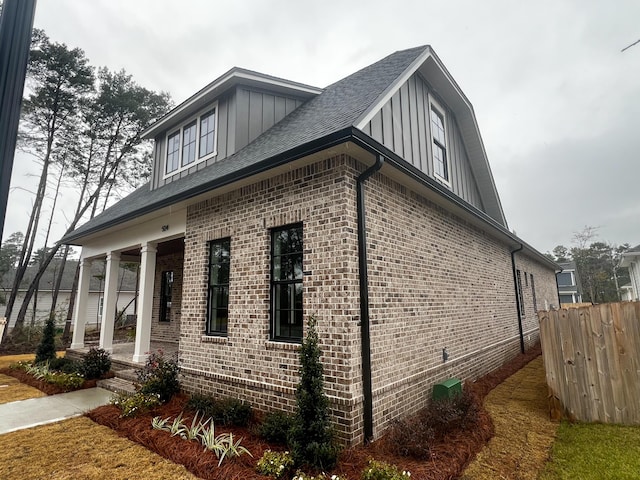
column 558, row 287
column 367, row 389
column 518, row 305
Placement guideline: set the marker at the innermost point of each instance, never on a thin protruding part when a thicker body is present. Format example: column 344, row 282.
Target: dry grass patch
column 79, row 448
column 7, row 360
column 523, row 432
column 11, row 390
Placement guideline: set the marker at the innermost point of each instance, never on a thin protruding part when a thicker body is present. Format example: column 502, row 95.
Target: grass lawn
column 594, row 451
column 80, row 449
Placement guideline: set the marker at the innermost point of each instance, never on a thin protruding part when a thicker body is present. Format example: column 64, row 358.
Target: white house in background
column 626, row 293
column 631, row 260
column 40, row 305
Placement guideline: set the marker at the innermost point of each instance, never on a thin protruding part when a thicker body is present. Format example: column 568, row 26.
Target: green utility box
column 447, row 389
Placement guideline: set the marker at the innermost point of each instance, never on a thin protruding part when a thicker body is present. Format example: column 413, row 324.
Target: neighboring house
column 368, row 204
column 626, row 293
column 569, row 287
column 631, row 260
column 40, row 304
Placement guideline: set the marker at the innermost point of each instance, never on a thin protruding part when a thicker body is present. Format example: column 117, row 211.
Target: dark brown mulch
column 449, row 457
column 184, row 452
column 43, row 386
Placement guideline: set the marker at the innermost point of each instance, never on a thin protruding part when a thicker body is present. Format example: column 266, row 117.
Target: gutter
column 367, row 389
column 517, row 290
column 558, row 287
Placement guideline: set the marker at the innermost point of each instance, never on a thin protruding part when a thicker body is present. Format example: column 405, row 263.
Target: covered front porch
column 158, row 297
column 122, row 353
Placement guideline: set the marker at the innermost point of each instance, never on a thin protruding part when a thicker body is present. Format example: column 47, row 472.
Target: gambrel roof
column 332, row 116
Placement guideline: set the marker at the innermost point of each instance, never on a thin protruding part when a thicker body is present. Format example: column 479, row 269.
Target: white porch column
column 145, row 302
column 80, row 308
column 109, row 305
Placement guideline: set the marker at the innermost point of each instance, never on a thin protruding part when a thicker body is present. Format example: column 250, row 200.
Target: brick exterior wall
column 168, row 331
column 435, row 282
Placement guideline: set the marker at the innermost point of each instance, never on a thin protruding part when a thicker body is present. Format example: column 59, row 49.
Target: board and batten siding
column 403, row 125
column 243, row 115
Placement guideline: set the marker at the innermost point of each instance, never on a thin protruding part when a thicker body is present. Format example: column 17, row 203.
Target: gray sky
column 557, row 103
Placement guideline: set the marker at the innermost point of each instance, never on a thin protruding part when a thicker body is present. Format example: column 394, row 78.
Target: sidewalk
column 53, row 408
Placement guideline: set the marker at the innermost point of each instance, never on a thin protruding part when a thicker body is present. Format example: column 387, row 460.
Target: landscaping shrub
column 274, row 464
column 383, row 471
column 159, row 376
column 135, row 404
column 95, row 363
column 311, row 436
column 199, row 402
column 414, row 436
column 46, row 350
column 227, row 411
column 276, row 426
column 65, row 365
column 446, row 415
column 67, row 381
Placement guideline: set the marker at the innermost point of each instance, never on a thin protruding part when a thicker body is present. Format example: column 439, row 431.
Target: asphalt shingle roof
column 338, row 107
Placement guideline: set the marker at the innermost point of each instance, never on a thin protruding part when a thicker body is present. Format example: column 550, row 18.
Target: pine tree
column 47, row 349
column 311, row 437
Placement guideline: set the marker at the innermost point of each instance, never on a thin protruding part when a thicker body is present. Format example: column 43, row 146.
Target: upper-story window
column 439, row 143
column 566, row 279
column 193, row 142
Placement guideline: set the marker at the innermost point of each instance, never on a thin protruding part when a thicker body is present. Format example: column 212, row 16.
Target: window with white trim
column 193, row 142
column 439, row 143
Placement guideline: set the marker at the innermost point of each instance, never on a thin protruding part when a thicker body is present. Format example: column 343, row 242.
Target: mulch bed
column 48, row 388
column 449, row 457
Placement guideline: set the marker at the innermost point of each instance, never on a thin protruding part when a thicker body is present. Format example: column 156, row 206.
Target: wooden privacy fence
column 592, row 360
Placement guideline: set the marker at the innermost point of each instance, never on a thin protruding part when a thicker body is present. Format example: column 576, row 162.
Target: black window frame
column 295, row 327
column 533, row 293
column 166, row 294
column 172, row 162
column 210, row 117
column 214, row 289
column 191, row 145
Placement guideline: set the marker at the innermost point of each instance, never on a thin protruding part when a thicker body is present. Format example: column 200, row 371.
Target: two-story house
column 569, row 287
column 368, row 204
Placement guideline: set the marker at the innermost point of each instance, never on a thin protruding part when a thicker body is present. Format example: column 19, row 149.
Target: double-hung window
column 286, row 283
column 520, row 293
column 193, row 142
column 439, row 143
column 219, row 262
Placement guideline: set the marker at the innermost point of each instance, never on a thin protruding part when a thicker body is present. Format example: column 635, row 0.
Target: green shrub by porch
column 46, row 350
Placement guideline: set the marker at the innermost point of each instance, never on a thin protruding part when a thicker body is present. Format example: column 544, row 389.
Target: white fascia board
column 385, row 96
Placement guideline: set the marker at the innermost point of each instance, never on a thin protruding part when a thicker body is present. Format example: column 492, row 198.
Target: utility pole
column 16, row 23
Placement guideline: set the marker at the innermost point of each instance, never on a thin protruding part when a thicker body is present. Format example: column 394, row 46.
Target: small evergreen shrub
column 200, row 403
column 383, row 471
column 65, row 365
column 95, row 363
column 46, row 350
column 231, row 411
column 276, row 426
column 275, row 464
column 226, row 411
column 159, row 376
column 311, row 436
column 135, row 404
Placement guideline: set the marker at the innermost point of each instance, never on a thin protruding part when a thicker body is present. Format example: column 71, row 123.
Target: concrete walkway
column 53, row 408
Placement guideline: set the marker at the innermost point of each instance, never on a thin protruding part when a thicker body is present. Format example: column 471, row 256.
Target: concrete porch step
column 129, row 374
column 117, row 385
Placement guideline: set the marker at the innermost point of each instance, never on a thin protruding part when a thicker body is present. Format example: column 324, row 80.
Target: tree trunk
column 66, row 335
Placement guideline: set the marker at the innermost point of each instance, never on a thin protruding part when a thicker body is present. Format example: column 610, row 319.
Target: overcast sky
column 557, row 103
